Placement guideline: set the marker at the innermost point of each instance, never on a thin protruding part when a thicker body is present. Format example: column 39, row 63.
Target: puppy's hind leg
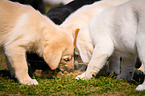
column 17, row 63
column 140, row 44
column 141, row 53
column 127, row 68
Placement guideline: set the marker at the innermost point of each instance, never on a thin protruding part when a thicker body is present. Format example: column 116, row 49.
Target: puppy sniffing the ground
column 118, row 30
column 22, row 29
column 74, row 22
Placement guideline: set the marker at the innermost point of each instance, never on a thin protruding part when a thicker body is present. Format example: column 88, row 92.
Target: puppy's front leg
column 98, row 60
column 17, row 63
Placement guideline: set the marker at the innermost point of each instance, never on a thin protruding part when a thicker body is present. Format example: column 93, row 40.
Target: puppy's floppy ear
column 75, row 36
column 52, row 56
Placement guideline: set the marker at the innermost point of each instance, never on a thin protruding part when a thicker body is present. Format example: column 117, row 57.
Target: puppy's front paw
column 140, row 87
column 83, row 76
column 33, row 82
column 80, row 76
column 30, row 82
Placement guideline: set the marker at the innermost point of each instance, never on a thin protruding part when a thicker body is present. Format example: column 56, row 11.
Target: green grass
column 67, row 85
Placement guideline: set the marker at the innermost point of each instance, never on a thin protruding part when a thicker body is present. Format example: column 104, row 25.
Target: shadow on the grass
column 35, row 70
column 5, row 73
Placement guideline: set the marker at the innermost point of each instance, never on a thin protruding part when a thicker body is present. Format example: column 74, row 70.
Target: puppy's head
column 57, row 49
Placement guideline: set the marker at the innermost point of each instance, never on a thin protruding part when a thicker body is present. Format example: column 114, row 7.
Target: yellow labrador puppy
column 24, row 29
column 118, row 30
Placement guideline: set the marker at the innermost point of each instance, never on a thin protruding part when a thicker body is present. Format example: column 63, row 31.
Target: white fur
column 119, row 30
column 142, row 68
column 56, row 2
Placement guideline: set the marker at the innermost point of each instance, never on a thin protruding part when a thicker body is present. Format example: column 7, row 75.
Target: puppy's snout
column 67, row 58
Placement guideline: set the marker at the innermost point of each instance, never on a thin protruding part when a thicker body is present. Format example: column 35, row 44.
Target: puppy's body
column 82, row 16
column 59, row 14
column 37, row 4
column 128, row 21
column 24, row 29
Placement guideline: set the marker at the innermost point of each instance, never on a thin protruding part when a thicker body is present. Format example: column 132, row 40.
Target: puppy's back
column 11, row 13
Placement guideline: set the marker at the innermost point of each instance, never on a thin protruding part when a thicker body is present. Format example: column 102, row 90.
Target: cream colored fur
column 118, row 30
column 84, row 14
column 24, row 29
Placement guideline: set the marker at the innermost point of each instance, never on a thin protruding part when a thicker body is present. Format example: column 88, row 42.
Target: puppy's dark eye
column 67, row 59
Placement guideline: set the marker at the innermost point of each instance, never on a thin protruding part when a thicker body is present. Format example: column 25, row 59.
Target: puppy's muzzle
column 66, row 64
